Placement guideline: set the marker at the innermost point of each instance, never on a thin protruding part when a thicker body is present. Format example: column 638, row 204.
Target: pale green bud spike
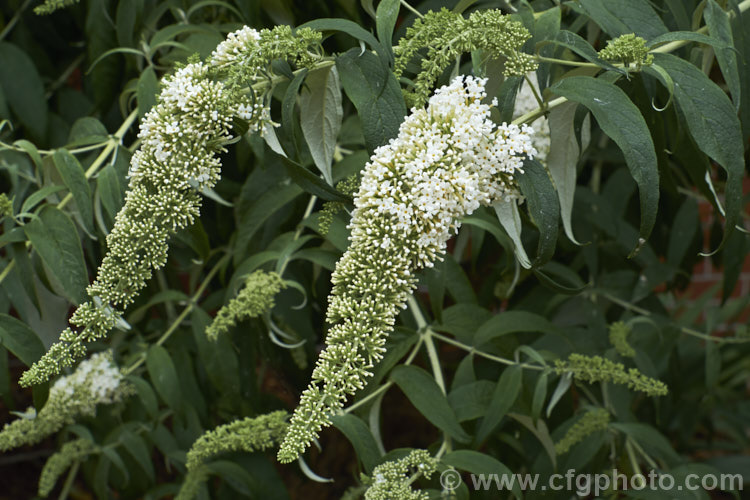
column 181, row 138
column 255, row 298
column 618, row 337
column 58, row 463
column 50, row 6
column 249, row 434
column 6, row 206
column 597, row 369
column 393, row 479
column 591, row 422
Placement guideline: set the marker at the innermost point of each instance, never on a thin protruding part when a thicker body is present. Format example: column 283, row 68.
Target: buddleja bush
column 380, row 241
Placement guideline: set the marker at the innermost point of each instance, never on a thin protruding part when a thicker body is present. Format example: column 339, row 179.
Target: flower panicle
column 598, row 369
column 95, row 381
column 178, row 159
column 591, row 422
column 255, row 298
column 447, row 160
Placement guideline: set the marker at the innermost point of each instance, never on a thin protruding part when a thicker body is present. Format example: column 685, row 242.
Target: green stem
column 69, row 480
column 474, row 350
column 688, row 331
column 412, row 9
column 178, row 321
column 14, row 20
column 298, row 233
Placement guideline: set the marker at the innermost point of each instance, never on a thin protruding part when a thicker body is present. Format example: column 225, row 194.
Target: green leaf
column 55, row 239
column 348, row 27
column 164, row 376
column 620, row 17
column 21, row 340
column 320, row 116
column 37, row 196
column 235, row 476
column 479, row 463
column 23, row 88
column 512, row 322
column 110, row 190
column 75, row 179
column 146, row 394
column 146, row 91
column 85, row 131
column 287, row 113
column 357, row 432
column 691, row 36
column 217, row 357
column 426, row 396
column 312, row 183
column 470, row 400
column 621, row 120
column 510, row 219
column 540, row 394
column 544, row 208
column 505, row 394
column 717, row 21
column 714, row 126
column 375, row 93
column 572, row 41
column 385, row 20
column 650, row 439
column 125, row 21
column 139, row 451
column 562, row 160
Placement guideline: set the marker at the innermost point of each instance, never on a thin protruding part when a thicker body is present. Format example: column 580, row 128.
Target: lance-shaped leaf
column 712, row 121
column 621, row 120
column 320, row 116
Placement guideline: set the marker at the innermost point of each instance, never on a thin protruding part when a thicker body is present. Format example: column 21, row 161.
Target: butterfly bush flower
column 95, row 381
column 447, row 160
column 181, row 138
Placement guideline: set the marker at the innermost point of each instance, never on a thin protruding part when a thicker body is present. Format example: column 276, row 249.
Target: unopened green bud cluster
column 95, row 381
column 255, row 298
column 50, row 6
column 70, row 453
column 591, row 422
column 618, row 337
column 447, row 35
column 598, row 369
column 393, row 479
column 249, row 434
column 181, row 138
column 6, row 206
column 330, row 208
column 628, row 49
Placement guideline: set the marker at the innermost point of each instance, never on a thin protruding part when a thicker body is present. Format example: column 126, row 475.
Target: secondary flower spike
column 447, row 160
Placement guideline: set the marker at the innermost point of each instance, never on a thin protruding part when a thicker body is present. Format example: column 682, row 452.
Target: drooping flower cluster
column 598, row 369
column 447, row 160
column 70, row 453
column 591, row 422
column 95, row 381
column 178, row 158
column 393, row 479
column 618, row 337
column 249, row 434
column 255, row 298
column 50, row 6
column 447, row 35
